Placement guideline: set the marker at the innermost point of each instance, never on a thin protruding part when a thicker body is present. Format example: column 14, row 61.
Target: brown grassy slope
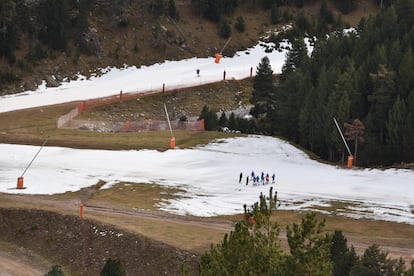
column 221, row 96
column 35, row 125
column 135, row 44
column 83, row 246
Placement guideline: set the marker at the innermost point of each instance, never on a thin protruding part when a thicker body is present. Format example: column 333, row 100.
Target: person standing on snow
column 198, row 72
column 241, row 176
column 247, row 180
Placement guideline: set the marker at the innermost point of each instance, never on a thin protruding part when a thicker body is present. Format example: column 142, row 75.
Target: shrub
column 56, row 270
column 113, row 267
column 240, row 24
column 224, row 28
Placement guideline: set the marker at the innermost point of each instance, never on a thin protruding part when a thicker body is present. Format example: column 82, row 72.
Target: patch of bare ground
column 20, row 261
column 82, row 246
column 48, row 224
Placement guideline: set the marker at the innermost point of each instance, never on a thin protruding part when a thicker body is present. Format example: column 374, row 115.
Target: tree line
column 60, row 26
column 216, row 9
column 219, row 11
column 365, row 74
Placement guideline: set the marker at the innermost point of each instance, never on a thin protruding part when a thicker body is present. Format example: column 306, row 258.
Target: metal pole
column 168, row 119
column 225, row 45
column 44, row 143
column 343, row 138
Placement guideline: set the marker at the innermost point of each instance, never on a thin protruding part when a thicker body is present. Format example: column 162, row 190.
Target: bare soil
column 19, row 261
column 51, row 227
column 81, row 246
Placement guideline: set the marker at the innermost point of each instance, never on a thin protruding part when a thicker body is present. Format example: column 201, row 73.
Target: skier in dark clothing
column 247, row 180
column 198, row 72
column 241, row 176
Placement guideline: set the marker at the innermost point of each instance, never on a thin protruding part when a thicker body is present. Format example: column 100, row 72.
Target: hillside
column 131, row 35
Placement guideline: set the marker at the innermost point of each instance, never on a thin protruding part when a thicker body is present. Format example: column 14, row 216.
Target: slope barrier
column 67, row 120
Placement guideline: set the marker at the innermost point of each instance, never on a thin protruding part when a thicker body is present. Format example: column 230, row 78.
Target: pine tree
column 308, row 120
column 382, row 99
column 56, row 24
column 313, row 120
column 230, row 6
column 210, row 118
column 113, row 267
column 266, row 4
column 223, row 121
column 290, row 97
column 224, row 28
column 157, row 7
column 275, row 14
column 240, row 24
column 346, row 6
column 397, row 129
column 405, row 75
column 253, row 248
column 7, row 14
column 405, row 11
column 410, row 123
column 172, row 10
column 343, row 258
column 309, row 248
column 296, row 57
column 325, row 14
column 263, row 89
column 339, row 108
column 232, row 121
column 374, row 262
column 214, row 10
column 56, row 270
column 8, row 35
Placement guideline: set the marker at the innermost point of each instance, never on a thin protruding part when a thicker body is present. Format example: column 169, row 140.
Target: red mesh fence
column 67, row 119
column 135, row 126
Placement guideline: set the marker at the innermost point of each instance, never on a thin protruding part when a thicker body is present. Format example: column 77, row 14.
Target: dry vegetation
column 134, row 206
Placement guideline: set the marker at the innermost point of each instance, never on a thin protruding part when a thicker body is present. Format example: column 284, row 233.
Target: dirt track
column 14, row 264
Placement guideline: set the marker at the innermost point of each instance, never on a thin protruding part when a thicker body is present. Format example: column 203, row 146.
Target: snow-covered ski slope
column 209, row 174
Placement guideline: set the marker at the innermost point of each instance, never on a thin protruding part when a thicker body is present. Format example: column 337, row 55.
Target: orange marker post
column 218, row 57
column 81, row 210
column 172, row 142
column 350, row 161
column 20, row 183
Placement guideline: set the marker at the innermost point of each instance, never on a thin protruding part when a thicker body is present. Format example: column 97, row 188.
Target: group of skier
column 256, row 180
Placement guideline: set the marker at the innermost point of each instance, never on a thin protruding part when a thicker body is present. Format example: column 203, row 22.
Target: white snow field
column 209, row 174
